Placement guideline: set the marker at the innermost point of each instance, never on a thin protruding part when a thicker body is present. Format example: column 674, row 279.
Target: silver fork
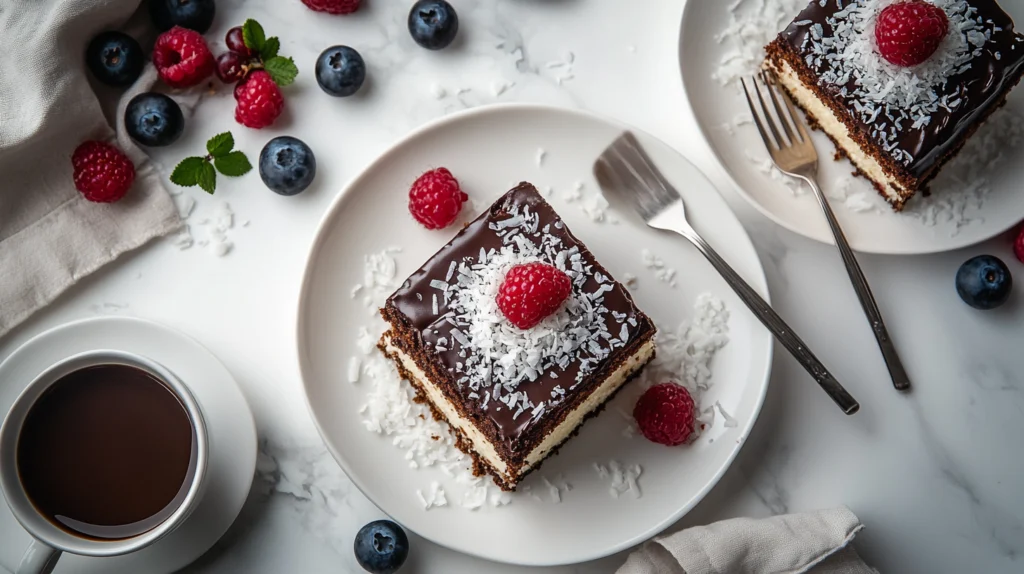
column 795, row 155
column 625, row 171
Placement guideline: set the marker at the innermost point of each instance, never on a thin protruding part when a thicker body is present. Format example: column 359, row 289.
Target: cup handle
column 38, row 559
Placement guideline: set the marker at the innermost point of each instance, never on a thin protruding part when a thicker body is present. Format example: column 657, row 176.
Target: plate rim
column 303, row 301
column 824, row 236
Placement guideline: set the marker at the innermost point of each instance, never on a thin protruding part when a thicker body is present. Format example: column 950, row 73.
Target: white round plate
column 951, row 218
column 230, row 425
column 490, row 150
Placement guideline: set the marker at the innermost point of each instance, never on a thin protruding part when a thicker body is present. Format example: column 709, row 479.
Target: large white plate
column 950, row 219
column 489, row 150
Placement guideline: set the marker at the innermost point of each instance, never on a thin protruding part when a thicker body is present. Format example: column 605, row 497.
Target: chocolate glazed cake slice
column 898, row 125
column 514, row 396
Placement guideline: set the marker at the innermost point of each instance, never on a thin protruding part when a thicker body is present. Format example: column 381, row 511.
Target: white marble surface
column 935, row 475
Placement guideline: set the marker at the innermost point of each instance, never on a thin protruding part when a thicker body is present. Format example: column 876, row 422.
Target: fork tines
column 625, row 170
column 782, row 123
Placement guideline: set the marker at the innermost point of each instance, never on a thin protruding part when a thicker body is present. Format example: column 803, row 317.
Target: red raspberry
column 666, row 414
column 908, row 33
column 259, row 100
column 1018, row 246
column 182, row 58
column 333, row 6
column 435, row 198
column 531, row 292
column 102, row 172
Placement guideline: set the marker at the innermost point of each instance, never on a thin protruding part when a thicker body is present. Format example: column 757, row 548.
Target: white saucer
column 229, row 421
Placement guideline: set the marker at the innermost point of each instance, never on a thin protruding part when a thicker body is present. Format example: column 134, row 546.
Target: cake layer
column 481, row 447
column 868, row 164
column 514, row 395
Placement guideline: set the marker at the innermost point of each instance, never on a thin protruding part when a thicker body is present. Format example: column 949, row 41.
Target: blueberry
column 287, row 165
column 433, row 23
column 340, row 71
column 984, row 282
column 115, row 59
column 192, row 14
column 153, row 119
column 381, row 547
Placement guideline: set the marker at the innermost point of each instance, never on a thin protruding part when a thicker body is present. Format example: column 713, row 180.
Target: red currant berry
column 229, row 67
column 236, row 42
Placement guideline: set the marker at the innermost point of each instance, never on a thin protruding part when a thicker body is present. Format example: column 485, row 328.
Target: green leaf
column 253, row 35
column 207, row 178
column 270, row 48
column 220, row 144
column 186, row 173
column 233, row 164
column 282, row 70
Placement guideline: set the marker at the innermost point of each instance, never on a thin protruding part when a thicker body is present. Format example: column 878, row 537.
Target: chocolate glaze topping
column 981, row 87
column 419, row 315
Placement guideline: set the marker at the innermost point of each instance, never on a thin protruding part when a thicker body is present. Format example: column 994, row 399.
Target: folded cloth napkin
column 816, row 542
column 50, row 236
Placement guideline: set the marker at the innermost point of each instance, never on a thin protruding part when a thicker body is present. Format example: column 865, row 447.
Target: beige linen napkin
column 50, row 236
column 815, row 542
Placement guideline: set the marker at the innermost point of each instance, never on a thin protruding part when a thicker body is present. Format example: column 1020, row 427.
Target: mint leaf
column 233, row 164
column 282, row 70
column 253, row 35
column 220, row 144
column 207, row 178
column 186, row 173
column 270, row 48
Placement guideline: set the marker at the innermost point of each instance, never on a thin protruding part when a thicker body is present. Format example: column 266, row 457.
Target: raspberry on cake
column 898, row 86
column 513, row 396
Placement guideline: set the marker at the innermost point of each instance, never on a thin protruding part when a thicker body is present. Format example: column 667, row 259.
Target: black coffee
column 107, row 452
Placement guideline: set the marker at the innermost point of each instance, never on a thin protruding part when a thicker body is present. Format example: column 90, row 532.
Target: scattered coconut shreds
column 434, row 497
column 438, row 91
column 622, row 478
column 542, row 154
column 662, row 272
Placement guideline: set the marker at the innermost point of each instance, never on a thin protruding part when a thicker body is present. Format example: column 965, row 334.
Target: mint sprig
column 253, row 36
column 202, row 170
column 282, row 70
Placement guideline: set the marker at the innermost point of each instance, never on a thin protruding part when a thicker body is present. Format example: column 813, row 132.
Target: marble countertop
column 935, row 475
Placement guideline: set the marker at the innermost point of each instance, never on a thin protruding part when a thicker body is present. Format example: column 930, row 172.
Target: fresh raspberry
column 1018, row 246
column 908, row 33
column 102, row 172
column 435, row 198
column 666, row 414
column 182, row 58
column 531, row 292
column 259, row 101
column 333, row 6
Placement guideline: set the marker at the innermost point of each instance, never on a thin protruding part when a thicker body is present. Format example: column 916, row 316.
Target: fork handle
column 763, row 311
column 900, row 380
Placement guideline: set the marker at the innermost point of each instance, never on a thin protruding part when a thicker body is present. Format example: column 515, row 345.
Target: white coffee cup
column 51, row 540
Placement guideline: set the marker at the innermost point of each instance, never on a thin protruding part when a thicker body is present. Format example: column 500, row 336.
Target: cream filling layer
column 832, row 125
column 483, row 447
